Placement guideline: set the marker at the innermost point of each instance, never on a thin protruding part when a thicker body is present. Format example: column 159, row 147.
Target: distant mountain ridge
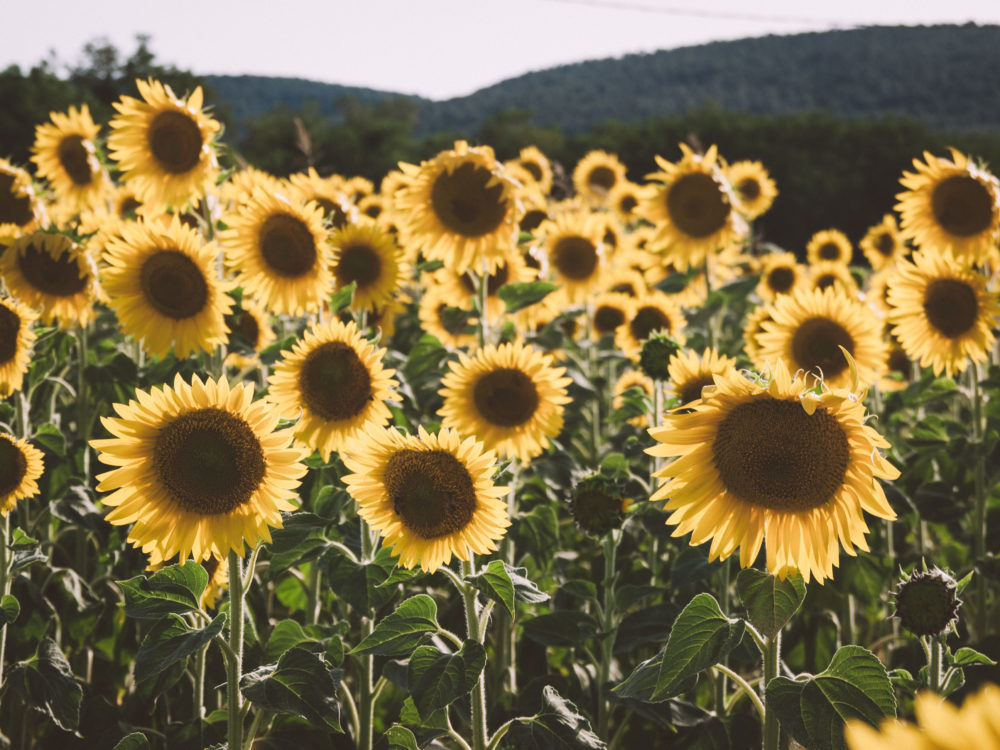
column 940, row 75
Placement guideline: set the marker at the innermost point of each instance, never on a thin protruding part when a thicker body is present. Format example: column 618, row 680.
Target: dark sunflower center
column 691, row 390
column 627, row 204
column 826, row 280
column 626, row 287
column 13, row 209
column 697, row 206
column 884, row 244
column 246, row 326
column 899, row 362
column 13, row 466
column 532, row 219
column 816, row 347
column 333, row 211
column 610, row 239
column 829, row 251
column 951, row 306
column 780, row 279
column 175, row 140
column 209, row 460
column 59, row 277
column 10, row 326
column 464, row 203
column 287, row 245
column 128, row 206
column 607, row 318
column 431, row 491
column 506, row 397
column 772, row 454
column 334, row 382
column 749, row 189
column 495, row 280
column 360, row 263
column 647, row 319
column 75, row 159
column 373, row 210
column 173, row 284
column 602, row 178
column 532, row 168
column 575, row 257
column 962, row 206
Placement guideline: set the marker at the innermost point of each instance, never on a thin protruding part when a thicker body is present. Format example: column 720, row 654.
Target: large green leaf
column 701, row 635
column 504, row 584
column 286, row 634
column 343, row 297
column 400, row 632
column 558, row 726
column 175, row 589
column 564, row 627
column 770, row 601
column 134, row 741
column 365, row 586
column 517, row 296
column 10, row 608
column 170, row 640
column 46, row 683
column 301, row 683
column 436, row 679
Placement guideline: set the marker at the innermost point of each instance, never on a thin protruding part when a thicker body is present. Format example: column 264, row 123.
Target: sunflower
column 51, row 272
column 941, row 312
column 753, row 186
column 357, row 188
column 832, row 275
column 877, row 291
column 335, row 379
column 328, row 193
column 753, row 328
column 883, row 244
column 596, row 175
column 66, row 156
column 161, row 284
column 950, row 205
column 625, row 198
column 653, row 311
column 574, row 251
column 536, row 164
column 689, row 372
column 16, row 339
column 20, row 468
column 367, row 255
column 773, row 462
column 279, row 248
column 253, row 325
column 609, row 311
column 431, row 497
column 460, row 207
column 199, row 468
column 613, row 237
column 450, row 331
column 240, row 186
column 781, row 274
column 829, row 245
column 163, row 144
column 633, row 379
column 625, row 280
column 940, row 726
column 372, row 206
column 808, row 330
column 20, row 209
column 511, row 397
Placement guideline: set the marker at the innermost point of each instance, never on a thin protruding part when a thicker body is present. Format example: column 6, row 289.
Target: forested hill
column 941, row 75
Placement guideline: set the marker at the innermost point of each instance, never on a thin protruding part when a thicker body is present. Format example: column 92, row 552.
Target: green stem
column 608, row 632
column 366, row 698
column 979, row 520
column 720, row 679
column 482, row 296
column 934, row 664
column 506, row 638
column 710, row 323
column 199, row 682
column 234, row 666
column 5, row 584
column 258, row 718
column 847, row 634
column 744, row 687
column 82, row 410
column 470, row 597
column 772, row 658
column 315, row 581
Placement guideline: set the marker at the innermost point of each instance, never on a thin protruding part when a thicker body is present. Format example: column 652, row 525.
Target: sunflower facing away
column 161, row 283
column 511, row 397
column 771, row 463
column 689, row 372
column 809, row 328
column 16, row 338
column 459, row 207
column 950, row 204
column 51, row 272
column 781, row 274
column 20, row 467
column 367, row 255
column 753, row 186
column 883, row 244
column 430, row 496
column 596, row 175
column 334, row 378
column 829, row 245
column 199, row 468
column 66, row 156
column 20, row 209
column 163, row 144
column 942, row 312
column 279, row 248
column 693, row 209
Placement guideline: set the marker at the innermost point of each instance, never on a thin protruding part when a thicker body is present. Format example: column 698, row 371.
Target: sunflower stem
column 82, row 420
column 979, row 520
column 720, row 678
column 315, row 580
column 5, row 584
column 772, row 659
column 482, row 297
column 506, row 642
column 366, row 697
column 470, row 596
column 710, row 323
column 934, row 664
column 199, row 682
column 234, row 667
column 608, row 632
column 744, row 687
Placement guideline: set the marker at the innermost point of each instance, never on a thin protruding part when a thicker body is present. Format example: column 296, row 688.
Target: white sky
column 435, row 48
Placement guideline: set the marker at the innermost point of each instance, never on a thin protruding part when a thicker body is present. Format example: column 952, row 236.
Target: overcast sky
column 435, row 48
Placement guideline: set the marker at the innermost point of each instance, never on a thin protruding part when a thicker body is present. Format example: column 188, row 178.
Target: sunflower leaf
column 425, row 357
column 558, row 726
column 10, row 608
column 400, row 738
column 343, row 297
column 301, row 683
column 400, row 632
column 51, row 438
column 175, row 589
column 287, row 634
column 170, row 640
column 505, row 585
column 770, row 601
column 46, row 683
column 134, row 741
column 437, row 679
column 517, row 296
column 701, row 635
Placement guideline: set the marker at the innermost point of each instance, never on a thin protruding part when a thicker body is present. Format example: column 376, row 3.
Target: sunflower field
column 456, row 462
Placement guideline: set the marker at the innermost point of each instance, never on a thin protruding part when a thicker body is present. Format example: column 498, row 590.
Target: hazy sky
column 435, row 48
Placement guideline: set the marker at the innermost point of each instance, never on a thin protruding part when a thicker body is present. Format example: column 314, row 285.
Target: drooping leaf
column 400, row 632
column 46, row 683
column 51, row 438
column 175, row 589
column 301, row 683
column 770, row 601
column 286, row 634
column 504, row 584
column 517, row 296
column 170, row 640
column 559, row 725
column 10, row 608
column 134, row 741
column 435, row 679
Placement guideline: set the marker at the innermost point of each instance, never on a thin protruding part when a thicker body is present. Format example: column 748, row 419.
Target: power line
column 699, row 13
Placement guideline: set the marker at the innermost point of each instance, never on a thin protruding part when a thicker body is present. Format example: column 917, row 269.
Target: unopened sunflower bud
column 655, row 356
column 926, row 602
column 597, row 505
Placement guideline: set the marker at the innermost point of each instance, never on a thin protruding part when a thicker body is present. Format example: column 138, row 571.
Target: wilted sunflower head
column 927, row 602
column 598, row 505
